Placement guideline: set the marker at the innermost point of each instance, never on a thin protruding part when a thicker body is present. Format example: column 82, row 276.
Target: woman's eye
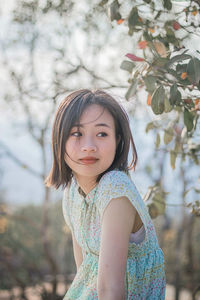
column 102, row 134
column 76, row 134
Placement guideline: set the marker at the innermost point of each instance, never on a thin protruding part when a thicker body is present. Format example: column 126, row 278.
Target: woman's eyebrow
column 96, row 125
column 102, row 124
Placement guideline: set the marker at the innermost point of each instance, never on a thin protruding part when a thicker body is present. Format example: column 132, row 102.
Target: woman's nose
column 88, row 146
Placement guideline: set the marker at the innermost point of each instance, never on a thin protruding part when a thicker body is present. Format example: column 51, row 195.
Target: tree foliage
column 167, row 69
column 42, row 60
column 22, row 257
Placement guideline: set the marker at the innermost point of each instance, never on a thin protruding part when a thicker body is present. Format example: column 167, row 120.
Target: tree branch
column 19, row 162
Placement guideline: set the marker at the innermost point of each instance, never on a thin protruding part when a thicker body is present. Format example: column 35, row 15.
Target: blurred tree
column 22, row 259
column 168, row 70
column 48, row 50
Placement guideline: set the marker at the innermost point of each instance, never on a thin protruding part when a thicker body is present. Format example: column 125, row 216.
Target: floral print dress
column 145, row 275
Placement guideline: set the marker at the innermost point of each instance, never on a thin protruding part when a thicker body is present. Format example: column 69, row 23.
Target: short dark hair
column 68, row 114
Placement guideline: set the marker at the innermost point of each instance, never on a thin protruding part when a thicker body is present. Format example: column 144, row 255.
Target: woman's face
column 91, row 146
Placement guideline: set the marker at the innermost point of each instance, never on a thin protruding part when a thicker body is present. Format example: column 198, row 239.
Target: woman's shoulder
column 115, row 174
column 115, row 184
column 114, row 178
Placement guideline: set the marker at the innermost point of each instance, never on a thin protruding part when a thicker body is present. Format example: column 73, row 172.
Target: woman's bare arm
column 117, row 224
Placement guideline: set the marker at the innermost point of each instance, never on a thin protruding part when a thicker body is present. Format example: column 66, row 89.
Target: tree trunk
column 45, row 228
column 178, row 259
column 47, row 245
column 190, row 253
column 180, row 232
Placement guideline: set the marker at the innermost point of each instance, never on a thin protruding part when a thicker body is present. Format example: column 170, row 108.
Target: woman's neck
column 86, row 185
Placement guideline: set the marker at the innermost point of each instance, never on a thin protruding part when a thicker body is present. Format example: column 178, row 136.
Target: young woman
column 115, row 245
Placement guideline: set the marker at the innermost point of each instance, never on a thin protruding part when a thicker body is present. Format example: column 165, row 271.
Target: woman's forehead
column 95, row 114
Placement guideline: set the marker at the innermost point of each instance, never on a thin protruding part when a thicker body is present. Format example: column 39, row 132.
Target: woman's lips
column 88, row 160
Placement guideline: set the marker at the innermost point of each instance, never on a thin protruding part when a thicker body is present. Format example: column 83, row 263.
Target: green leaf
column 180, row 68
column 173, row 157
column 185, row 193
column 149, row 127
column 150, row 82
column 173, row 73
column 175, row 95
column 168, row 106
column 127, row 66
column 160, row 61
column 169, row 32
column 158, row 202
column 131, row 91
column 153, row 211
column 148, row 169
column 188, row 119
column 177, row 58
column 177, row 146
column 113, row 11
column 103, row 2
column 168, row 135
column 157, row 143
column 133, row 18
column 167, row 4
column 147, row 36
column 193, row 70
column 157, row 102
column 158, row 15
column 170, row 36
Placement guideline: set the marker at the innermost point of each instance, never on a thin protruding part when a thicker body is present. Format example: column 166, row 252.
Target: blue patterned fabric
column 145, row 275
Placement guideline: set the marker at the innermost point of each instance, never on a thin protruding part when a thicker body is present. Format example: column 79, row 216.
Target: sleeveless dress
column 145, row 275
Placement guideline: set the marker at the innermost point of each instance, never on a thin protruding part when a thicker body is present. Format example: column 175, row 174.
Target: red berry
column 176, row 25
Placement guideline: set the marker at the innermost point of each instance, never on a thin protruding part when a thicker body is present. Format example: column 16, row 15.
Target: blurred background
column 49, row 48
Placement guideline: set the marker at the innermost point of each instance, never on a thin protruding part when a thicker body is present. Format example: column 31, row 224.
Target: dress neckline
column 81, row 192
column 91, row 193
